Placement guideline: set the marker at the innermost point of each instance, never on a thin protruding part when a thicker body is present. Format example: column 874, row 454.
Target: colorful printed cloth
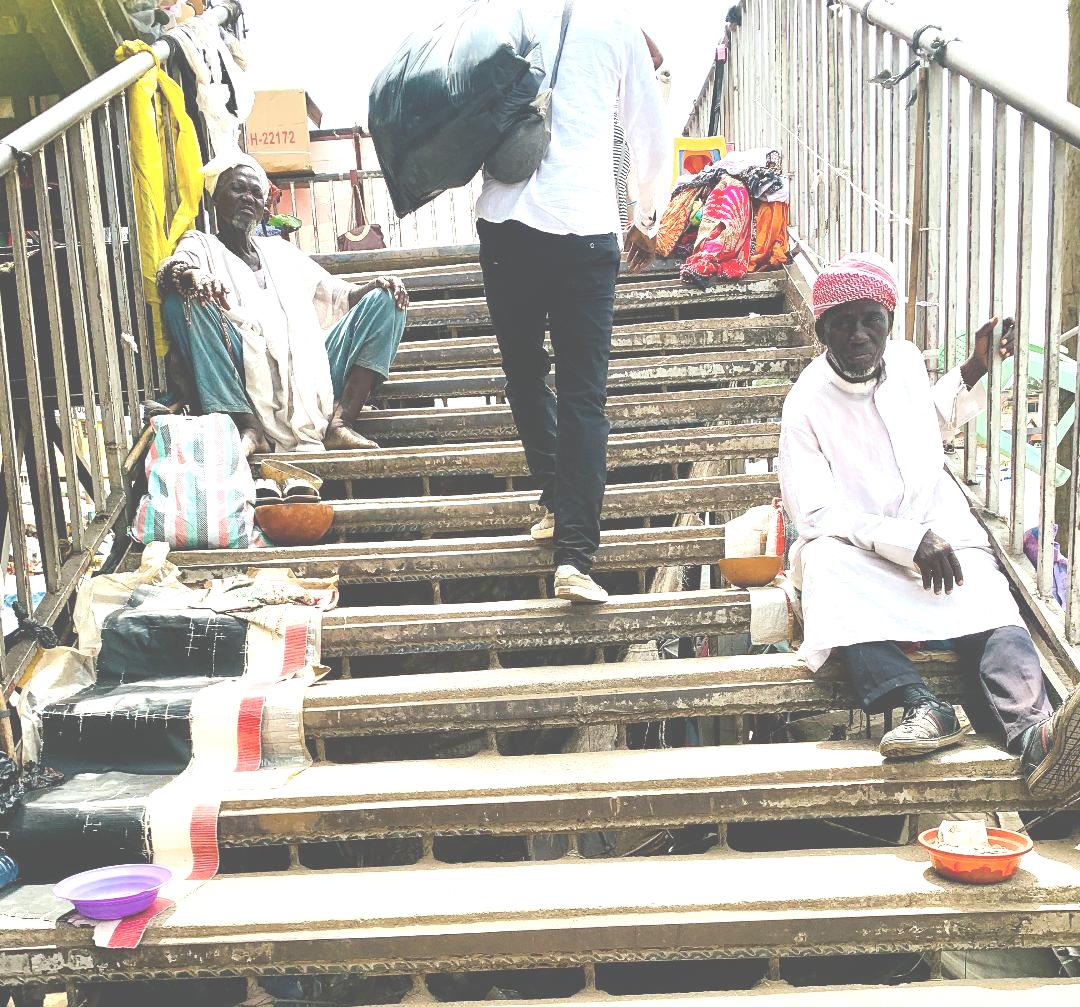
column 675, row 221
column 723, row 246
column 770, row 237
column 855, row 277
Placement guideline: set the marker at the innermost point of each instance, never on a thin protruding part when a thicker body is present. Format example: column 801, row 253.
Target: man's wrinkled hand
column 640, row 249
column 396, row 288
column 977, row 365
column 938, row 564
column 205, row 289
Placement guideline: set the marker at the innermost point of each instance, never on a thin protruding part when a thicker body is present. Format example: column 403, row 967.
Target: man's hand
column 640, row 249
column 210, row 292
column 938, row 564
column 976, row 366
column 397, row 288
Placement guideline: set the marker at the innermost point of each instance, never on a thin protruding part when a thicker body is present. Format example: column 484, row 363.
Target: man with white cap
column 888, row 551
column 291, row 352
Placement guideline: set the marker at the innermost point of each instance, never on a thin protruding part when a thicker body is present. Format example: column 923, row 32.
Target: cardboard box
column 278, row 135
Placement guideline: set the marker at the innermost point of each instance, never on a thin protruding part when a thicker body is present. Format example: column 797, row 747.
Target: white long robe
column 862, row 473
column 283, row 325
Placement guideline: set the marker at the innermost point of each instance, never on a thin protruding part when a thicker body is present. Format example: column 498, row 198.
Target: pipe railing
column 956, row 173
column 77, row 358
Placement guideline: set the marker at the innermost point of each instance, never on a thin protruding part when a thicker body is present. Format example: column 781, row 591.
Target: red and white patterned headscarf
column 853, row 278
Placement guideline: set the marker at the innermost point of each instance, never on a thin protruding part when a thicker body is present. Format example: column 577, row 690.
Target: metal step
column 659, row 296
column 571, row 695
column 758, row 332
column 521, row 795
column 785, row 363
column 657, row 410
column 507, row 458
column 516, row 511
column 523, row 625
column 527, row 915
column 451, row 559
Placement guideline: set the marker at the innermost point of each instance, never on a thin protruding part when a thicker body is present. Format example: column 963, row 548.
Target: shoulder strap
column 568, row 9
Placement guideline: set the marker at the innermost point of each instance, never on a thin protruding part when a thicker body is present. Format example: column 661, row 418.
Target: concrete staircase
column 480, row 707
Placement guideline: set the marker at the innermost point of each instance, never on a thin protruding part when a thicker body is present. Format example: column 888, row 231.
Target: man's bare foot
column 340, row 437
column 252, row 442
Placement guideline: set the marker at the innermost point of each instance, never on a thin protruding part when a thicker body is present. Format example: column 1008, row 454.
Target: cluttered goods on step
column 968, row 851
column 447, row 98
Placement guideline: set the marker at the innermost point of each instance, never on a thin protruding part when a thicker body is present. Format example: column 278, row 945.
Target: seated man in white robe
column 888, row 551
column 268, row 336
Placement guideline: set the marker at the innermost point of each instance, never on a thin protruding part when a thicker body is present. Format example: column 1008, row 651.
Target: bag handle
column 568, row 9
column 359, row 210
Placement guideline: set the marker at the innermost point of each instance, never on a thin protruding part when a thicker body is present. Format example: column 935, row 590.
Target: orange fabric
column 675, row 221
column 771, row 237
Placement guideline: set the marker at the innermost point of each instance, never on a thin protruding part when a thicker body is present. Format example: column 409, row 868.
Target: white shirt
column 605, row 63
column 862, row 473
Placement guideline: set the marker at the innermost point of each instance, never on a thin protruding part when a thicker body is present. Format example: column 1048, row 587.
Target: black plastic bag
column 448, row 97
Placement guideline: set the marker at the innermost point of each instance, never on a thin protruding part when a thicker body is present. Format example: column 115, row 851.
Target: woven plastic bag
column 200, row 492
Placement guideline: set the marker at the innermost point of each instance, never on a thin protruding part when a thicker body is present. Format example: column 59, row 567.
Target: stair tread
column 473, row 311
column 507, row 458
column 462, row 557
column 761, row 331
column 731, row 902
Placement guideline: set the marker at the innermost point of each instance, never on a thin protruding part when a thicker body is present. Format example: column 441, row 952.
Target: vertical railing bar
column 123, row 303
column 820, row 145
column 930, row 285
column 82, row 329
column 997, row 282
column 888, row 142
column 11, row 454
column 842, row 69
column 1018, row 463
column 333, row 213
column 152, row 380
column 59, row 350
column 99, row 301
column 1052, row 375
column 898, row 202
column 974, row 265
column 40, row 472
column 874, row 181
column 805, row 178
column 950, row 278
column 862, row 134
column 315, row 216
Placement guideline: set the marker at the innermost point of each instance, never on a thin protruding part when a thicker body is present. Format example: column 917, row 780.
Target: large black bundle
column 448, row 96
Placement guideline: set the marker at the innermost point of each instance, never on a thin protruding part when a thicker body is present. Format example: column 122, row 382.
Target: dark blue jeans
column 534, row 280
column 1011, row 694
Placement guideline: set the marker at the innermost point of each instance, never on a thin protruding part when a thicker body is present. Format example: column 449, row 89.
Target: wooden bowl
column 295, row 523
column 751, row 571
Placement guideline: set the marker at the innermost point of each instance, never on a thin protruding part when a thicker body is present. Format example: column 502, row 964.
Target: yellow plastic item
column 694, row 153
column 147, row 98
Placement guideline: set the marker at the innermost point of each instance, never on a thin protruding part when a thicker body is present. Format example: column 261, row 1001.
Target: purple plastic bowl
column 111, row 893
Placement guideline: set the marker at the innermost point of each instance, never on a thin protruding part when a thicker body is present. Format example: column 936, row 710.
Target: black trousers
column 534, row 280
column 1010, row 695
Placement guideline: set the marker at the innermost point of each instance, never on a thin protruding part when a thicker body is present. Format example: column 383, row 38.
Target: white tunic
column 282, row 314
column 862, row 472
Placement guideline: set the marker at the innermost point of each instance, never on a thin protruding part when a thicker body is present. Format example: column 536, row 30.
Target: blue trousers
column 368, row 336
column 1010, row 696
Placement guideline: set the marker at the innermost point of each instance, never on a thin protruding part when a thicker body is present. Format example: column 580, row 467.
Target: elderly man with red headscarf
column 888, row 551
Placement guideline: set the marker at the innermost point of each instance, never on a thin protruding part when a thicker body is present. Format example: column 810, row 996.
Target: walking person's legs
column 517, row 290
column 581, row 314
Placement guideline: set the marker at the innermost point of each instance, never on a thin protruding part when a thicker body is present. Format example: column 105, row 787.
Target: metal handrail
column 54, row 121
column 1050, row 111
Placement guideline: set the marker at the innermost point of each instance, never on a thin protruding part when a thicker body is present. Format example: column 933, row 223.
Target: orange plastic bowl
column 751, row 571
column 979, row 868
column 295, row 523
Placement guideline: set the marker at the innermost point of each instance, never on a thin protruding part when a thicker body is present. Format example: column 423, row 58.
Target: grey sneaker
column 926, row 728
column 579, row 588
column 544, row 529
column 1051, row 759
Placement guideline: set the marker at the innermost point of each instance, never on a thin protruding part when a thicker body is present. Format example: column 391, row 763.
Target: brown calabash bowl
column 295, row 523
column 751, row 571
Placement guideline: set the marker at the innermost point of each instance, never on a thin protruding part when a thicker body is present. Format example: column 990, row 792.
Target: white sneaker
column 578, row 588
column 544, row 529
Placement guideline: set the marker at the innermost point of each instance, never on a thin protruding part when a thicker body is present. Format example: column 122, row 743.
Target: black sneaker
column 926, row 728
column 1051, row 759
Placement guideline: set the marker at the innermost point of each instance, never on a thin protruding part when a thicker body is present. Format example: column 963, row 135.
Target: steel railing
column 77, row 357
column 956, row 173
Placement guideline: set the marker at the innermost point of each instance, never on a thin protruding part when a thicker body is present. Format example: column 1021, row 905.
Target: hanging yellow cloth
column 146, row 124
